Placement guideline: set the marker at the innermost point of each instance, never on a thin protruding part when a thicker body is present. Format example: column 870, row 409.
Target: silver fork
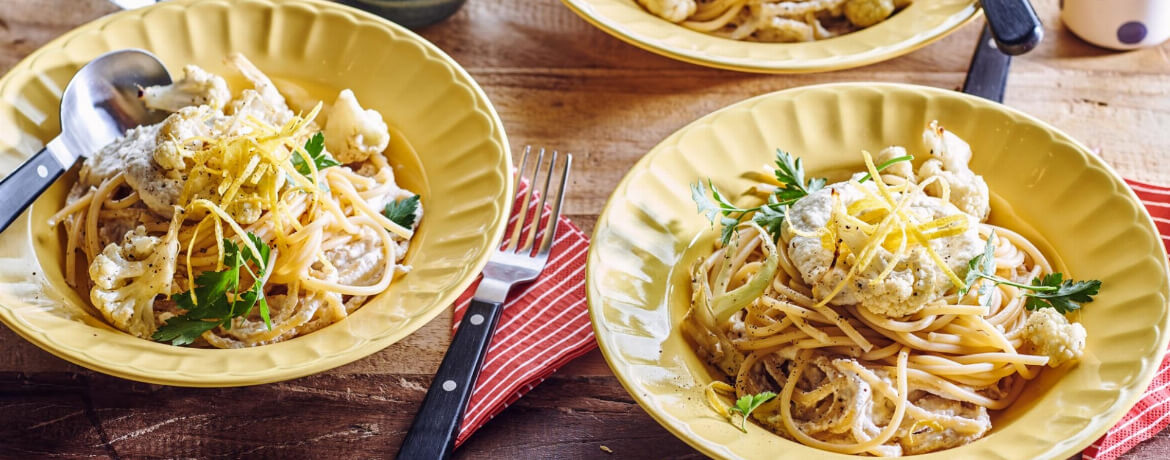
column 432, row 435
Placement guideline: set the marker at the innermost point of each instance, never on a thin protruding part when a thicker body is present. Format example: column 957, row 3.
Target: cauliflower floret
column 865, row 13
column 197, row 87
column 264, row 102
column 175, row 134
column 670, row 10
column 903, row 169
column 1051, row 334
column 128, row 277
column 949, row 158
column 915, row 281
column 352, row 133
column 133, row 155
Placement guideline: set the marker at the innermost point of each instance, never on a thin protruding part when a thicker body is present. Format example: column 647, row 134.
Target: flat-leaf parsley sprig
column 1051, row 291
column 314, row 151
column 748, row 403
column 216, row 298
column 770, row 215
column 402, row 212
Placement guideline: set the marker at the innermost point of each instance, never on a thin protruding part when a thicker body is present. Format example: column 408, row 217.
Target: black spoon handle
column 432, row 435
column 987, row 75
column 27, row 182
column 1014, row 25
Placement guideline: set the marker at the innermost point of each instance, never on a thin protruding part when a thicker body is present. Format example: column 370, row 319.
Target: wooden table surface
column 555, row 81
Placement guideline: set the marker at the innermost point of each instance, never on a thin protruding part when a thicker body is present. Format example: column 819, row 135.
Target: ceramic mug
column 1118, row 24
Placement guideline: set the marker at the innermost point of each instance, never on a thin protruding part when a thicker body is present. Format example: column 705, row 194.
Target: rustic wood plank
column 556, row 81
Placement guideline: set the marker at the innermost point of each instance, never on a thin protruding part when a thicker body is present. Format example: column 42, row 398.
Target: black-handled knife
column 1014, row 25
column 1012, row 29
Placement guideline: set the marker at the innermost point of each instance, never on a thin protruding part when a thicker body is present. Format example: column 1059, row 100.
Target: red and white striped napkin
column 544, row 326
column 1152, row 413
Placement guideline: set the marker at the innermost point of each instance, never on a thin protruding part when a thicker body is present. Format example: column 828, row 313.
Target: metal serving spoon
column 99, row 105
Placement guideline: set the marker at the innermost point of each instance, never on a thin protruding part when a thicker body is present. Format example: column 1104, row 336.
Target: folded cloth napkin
column 544, row 326
column 1152, row 413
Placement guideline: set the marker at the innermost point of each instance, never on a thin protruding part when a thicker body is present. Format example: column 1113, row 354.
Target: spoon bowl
column 99, row 104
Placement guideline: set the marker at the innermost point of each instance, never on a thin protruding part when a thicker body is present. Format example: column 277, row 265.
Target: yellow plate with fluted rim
column 918, row 25
column 449, row 146
column 1044, row 184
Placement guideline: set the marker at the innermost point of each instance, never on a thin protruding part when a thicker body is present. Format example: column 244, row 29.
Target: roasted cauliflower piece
column 865, row 13
column 197, row 87
column 949, row 158
column 670, row 10
column 128, row 277
column 264, row 102
column 1052, row 335
column 175, row 144
column 901, row 169
column 352, row 133
column 915, row 279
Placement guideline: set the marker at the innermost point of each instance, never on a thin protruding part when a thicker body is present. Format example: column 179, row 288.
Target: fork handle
column 432, row 435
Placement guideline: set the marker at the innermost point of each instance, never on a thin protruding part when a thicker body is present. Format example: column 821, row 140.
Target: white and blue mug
column 1118, row 24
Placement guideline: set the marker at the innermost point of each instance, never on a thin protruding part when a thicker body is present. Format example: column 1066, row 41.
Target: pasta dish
column 774, row 20
column 236, row 221
column 878, row 315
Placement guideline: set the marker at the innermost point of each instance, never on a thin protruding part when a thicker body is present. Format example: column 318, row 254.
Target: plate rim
column 719, row 62
column 322, row 364
column 608, row 348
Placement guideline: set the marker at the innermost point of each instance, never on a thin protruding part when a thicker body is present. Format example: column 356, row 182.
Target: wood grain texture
column 556, row 81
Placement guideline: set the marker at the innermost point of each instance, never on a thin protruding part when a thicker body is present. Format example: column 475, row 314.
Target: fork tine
column 536, row 218
column 554, row 218
column 522, row 205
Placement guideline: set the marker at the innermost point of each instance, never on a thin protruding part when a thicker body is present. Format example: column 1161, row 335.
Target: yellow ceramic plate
column 1046, row 185
column 919, row 24
column 449, row 147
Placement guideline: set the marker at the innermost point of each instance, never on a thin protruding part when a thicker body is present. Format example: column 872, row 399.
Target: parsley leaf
column 981, row 265
column 730, row 226
column 1065, row 296
column 315, row 149
column 216, row 298
column 1051, row 291
column 706, row 207
column 748, row 403
column 402, row 212
column 790, row 174
column 770, row 216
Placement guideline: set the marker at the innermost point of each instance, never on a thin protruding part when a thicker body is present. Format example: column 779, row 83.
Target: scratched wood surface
column 555, row 81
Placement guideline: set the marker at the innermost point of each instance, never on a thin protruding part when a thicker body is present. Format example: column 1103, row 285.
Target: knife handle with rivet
column 19, row 189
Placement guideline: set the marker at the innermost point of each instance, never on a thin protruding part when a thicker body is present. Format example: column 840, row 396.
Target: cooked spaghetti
column 775, row 20
column 879, row 315
column 236, row 222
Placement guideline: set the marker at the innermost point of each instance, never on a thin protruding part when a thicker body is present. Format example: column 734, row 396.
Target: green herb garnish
column 770, row 215
column 217, row 299
column 1051, row 291
column 748, row 403
column 315, row 149
column 402, row 212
